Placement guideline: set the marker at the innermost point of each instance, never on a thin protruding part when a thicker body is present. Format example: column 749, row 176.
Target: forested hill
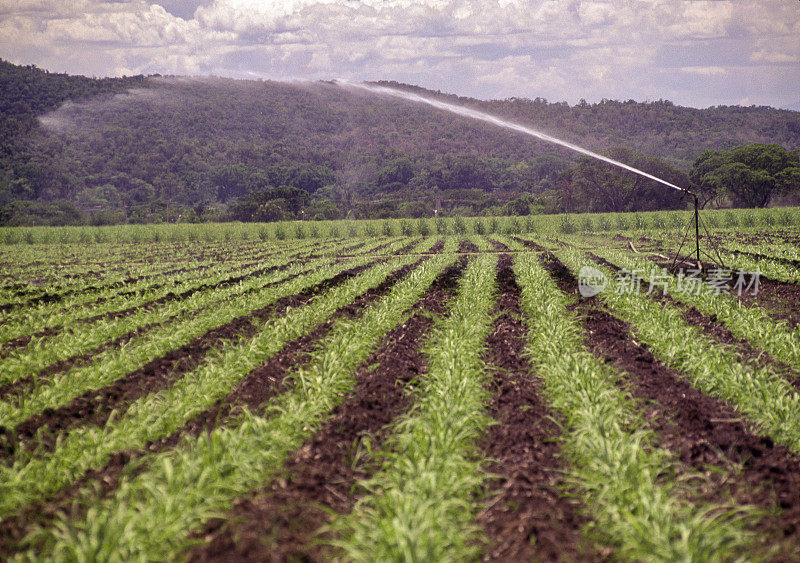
column 163, row 148
column 27, row 91
column 660, row 128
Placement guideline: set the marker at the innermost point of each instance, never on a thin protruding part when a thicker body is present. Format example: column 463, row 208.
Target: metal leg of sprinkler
column 697, row 230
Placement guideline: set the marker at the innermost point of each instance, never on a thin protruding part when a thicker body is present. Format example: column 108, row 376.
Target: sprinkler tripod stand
column 697, row 222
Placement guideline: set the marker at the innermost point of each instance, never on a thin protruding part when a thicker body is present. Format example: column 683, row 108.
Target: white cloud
column 704, row 70
column 560, row 49
column 774, row 57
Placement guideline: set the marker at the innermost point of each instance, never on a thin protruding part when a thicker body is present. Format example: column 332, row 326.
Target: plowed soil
column 94, row 406
column 526, row 516
column 787, row 261
column 257, row 387
column 466, row 246
column 23, row 341
column 280, row 522
column 702, row 431
column 497, row 245
column 781, row 300
column 269, row 379
column 716, row 330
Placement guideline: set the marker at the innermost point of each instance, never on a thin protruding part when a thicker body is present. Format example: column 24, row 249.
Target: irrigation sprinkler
column 697, row 222
column 500, row 122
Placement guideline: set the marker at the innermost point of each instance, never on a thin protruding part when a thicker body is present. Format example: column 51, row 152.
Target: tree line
column 166, row 149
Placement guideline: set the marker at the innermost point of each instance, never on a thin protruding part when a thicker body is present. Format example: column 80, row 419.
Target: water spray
column 488, row 118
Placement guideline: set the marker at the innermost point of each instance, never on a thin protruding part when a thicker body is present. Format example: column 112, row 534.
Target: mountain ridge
column 137, row 149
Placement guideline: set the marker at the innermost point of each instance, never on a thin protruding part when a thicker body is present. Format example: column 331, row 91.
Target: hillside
column 162, row 148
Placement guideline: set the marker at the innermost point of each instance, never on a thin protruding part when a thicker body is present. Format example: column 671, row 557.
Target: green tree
column 321, row 210
column 749, row 175
column 400, row 171
column 267, row 212
column 596, row 186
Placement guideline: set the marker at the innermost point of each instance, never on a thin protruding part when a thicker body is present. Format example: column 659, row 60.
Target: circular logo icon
column 591, row 281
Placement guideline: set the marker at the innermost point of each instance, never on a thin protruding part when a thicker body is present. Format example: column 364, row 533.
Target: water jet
column 500, row 122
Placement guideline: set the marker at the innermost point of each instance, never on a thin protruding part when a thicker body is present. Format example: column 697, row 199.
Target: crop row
column 278, row 232
column 179, row 489
column 229, row 424
column 116, row 291
column 135, row 306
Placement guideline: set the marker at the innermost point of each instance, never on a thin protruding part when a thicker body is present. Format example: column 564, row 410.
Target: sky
column 693, row 52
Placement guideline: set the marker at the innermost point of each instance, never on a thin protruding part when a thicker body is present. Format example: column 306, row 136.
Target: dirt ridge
column 526, row 517
column 94, row 406
column 317, row 475
column 700, row 430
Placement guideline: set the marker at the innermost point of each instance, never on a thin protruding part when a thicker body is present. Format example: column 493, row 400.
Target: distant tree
column 174, row 145
column 541, row 172
column 310, row 178
column 417, row 208
column 705, row 176
column 267, row 212
column 31, row 213
column 398, row 172
column 322, row 210
column 750, row 175
column 466, row 171
column 596, row 186
column 519, row 206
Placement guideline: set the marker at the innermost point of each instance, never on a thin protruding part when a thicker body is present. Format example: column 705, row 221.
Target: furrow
column 421, row 502
column 94, row 406
column 282, row 521
column 526, row 515
column 703, row 432
column 245, row 455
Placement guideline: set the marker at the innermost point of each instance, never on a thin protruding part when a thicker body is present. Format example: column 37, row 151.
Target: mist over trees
column 141, row 149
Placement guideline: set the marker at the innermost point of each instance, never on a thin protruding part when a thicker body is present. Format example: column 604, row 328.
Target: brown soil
column 52, row 296
column 407, row 248
column 771, row 236
column 529, row 244
column 716, row 330
column 497, row 245
column 261, row 384
column 781, row 300
column 95, row 406
column 381, row 247
column 172, row 296
column 467, row 246
column 747, row 352
column 438, row 247
column 702, row 431
column 351, row 248
column 23, row 341
column 269, row 379
column 787, row 261
column 526, row 517
column 14, row 528
column 17, row 388
column 280, row 522
column 290, row 260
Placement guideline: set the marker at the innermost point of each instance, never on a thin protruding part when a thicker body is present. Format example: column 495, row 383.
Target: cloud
column 704, row 70
column 773, row 57
column 559, row 49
